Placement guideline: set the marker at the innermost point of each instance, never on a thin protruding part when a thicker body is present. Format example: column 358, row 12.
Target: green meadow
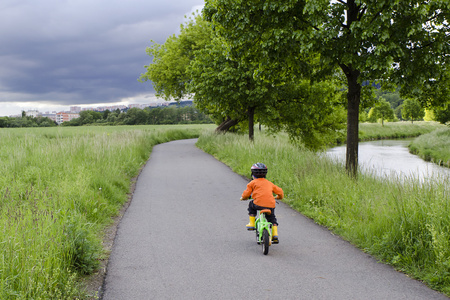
column 396, row 130
column 404, row 224
column 59, row 189
column 433, row 146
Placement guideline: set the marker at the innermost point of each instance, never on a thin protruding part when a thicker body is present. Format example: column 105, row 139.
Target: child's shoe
column 251, row 224
column 275, row 234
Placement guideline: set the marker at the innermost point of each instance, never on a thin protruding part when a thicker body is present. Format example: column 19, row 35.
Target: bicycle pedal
column 250, row 228
column 275, row 241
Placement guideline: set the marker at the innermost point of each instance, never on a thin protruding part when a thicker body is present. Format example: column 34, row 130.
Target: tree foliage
column 443, row 114
column 382, row 110
column 170, row 60
column 147, row 116
column 403, row 42
column 231, row 90
column 226, row 88
column 412, row 110
column 26, row 121
column 169, row 70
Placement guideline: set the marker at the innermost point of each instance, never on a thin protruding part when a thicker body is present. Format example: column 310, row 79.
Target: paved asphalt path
column 183, row 237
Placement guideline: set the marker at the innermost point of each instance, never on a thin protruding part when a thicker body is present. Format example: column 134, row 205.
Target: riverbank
column 433, row 146
column 432, row 141
column 404, row 224
column 396, row 130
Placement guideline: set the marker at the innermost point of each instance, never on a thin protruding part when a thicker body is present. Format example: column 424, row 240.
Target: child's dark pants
column 252, row 210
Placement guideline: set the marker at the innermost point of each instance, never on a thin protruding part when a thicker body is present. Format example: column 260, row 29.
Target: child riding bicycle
column 262, row 190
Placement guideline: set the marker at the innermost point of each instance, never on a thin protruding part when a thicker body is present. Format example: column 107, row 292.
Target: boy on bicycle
column 262, row 190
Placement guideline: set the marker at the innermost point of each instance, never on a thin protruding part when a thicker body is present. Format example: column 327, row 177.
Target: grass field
column 433, row 146
column 395, row 130
column 59, row 188
column 405, row 224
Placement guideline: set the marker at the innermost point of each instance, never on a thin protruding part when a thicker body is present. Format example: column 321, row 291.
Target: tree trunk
column 353, row 101
column 226, row 125
column 251, row 123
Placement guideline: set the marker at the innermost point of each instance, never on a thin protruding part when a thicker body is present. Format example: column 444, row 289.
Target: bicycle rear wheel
column 265, row 241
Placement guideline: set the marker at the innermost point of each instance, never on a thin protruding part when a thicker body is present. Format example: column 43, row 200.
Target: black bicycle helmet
column 259, row 170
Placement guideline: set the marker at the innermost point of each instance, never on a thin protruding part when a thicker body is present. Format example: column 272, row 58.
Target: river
column 392, row 158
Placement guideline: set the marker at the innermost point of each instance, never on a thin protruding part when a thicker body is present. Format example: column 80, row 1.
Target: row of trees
column 299, row 65
column 137, row 116
column 133, row 116
column 409, row 110
column 391, row 107
column 196, row 64
column 25, row 121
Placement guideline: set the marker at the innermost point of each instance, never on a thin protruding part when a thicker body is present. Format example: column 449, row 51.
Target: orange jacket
column 262, row 191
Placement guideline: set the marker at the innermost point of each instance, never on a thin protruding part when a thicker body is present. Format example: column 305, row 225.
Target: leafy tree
column 112, row 118
column 429, row 115
column 45, row 122
column 106, row 114
column 398, row 112
column 220, row 86
column 435, row 95
column 4, row 122
column 136, row 116
column 443, row 114
column 153, row 115
column 168, row 72
column 22, row 122
column 26, row 122
column 89, row 117
column 382, row 110
column 401, row 41
column 392, row 97
column 412, row 110
column 227, row 88
column 309, row 112
column 170, row 60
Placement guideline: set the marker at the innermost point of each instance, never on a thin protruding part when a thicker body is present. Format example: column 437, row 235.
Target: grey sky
column 58, row 53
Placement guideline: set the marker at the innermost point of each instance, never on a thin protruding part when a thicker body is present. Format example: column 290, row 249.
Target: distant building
column 32, row 113
column 183, row 103
column 50, row 116
column 62, row 117
column 75, row 109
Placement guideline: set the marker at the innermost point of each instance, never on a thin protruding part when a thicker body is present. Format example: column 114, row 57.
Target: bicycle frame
column 261, row 223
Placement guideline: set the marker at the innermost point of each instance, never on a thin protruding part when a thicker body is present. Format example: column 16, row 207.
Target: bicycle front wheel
column 265, row 241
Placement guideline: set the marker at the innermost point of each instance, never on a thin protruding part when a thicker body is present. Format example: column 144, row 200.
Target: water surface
column 392, row 158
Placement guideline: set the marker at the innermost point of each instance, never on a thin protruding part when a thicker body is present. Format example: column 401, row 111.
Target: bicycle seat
column 265, row 211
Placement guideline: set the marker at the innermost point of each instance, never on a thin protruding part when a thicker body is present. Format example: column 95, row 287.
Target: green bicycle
column 263, row 230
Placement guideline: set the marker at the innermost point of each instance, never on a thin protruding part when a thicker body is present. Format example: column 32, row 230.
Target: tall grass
column 394, row 130
column 405, row 224
column 434, row 146
column 59, row 188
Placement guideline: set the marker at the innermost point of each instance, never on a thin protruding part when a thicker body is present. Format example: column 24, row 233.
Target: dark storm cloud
column 81, row 51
